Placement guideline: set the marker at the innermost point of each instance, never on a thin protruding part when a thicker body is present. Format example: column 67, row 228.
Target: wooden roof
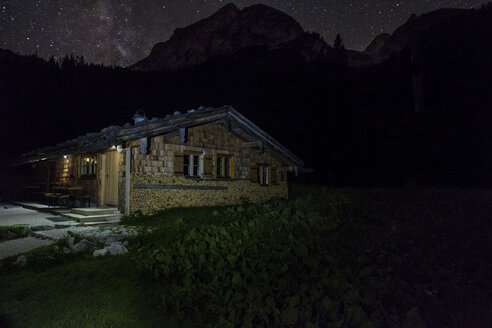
column 117, row 135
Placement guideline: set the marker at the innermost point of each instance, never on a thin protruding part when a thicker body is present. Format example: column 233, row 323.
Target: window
column 88, row 166
column 220, row 167
column 263, row 175
column 225, row 167
column 191, row 165
column 196, row 165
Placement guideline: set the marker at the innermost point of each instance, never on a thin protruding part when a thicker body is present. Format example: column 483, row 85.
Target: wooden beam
column 128, row 170
column 227, row 124
column 250, row 144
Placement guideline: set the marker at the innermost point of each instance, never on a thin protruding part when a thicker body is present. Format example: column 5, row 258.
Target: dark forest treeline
column 355, row 126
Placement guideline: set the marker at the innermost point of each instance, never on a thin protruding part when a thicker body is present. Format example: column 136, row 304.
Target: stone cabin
column 209, row 156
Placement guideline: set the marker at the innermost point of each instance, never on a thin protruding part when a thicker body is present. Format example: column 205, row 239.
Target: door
column 110, row 178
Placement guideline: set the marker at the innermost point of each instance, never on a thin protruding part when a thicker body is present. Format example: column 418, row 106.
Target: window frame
column 88, row 168
column 224, row 166
column 263, row 174
column 191, row 165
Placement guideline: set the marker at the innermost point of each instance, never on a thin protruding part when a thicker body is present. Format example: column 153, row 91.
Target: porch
column 55, row 195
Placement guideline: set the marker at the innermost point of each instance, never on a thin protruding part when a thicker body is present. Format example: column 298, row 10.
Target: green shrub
column 267, row 267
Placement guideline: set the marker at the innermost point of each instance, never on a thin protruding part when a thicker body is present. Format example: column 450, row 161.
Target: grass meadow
column 325, row 258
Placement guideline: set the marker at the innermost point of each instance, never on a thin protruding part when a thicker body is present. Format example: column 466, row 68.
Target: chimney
column 139, row 117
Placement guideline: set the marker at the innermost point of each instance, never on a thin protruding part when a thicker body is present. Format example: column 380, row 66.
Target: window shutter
column 273, row 175
column 178, row 164
column 207, row 166
column 253, row 174
column 232, row 163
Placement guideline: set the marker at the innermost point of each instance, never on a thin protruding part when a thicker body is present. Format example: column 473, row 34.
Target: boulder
column 111, row 240
column 82, row 246
column 70, row 241
column 100, row 252
column 116, row 248
column 21, row 261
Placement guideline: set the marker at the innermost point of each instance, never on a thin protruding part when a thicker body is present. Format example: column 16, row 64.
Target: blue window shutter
column 143, row 146
column 182, row 135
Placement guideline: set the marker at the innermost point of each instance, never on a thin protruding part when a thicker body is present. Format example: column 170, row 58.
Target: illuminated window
column 88, row 166
column 225, row 167
column 263, row 175
column 191, row 165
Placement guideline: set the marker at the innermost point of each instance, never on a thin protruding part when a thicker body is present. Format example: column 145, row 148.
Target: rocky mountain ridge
column 224, row 33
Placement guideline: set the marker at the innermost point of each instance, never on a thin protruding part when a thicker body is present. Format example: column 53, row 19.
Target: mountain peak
column 224, row 33
column 377, row 43
column 230, row 7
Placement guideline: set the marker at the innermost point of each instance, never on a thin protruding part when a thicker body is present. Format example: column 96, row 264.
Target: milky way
column 120, row 32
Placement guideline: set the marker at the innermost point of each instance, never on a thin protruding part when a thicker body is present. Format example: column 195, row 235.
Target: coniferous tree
column 338, row 43
column 341, row 57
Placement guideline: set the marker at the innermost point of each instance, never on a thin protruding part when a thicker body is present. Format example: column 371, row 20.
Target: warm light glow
column 113, row 147
column 65, row 156
column 87, row 159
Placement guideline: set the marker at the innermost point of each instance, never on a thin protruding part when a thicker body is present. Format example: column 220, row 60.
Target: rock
column 62, row 226
column 66, row 250
column 100, row 252
column 21, row 261
column 116, row 248
column 43, row 227
column 101, row 238
column 111, row 240
column 226, row 32
column 82, row 246
column 70, row 241
column 125, row 243
column 27, row 230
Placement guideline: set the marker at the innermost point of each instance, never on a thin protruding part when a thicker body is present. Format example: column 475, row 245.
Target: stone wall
column 209, row 140
column 153, row 192
column 155, row 186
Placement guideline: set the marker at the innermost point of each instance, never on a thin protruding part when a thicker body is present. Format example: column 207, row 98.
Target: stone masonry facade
column 156, row 182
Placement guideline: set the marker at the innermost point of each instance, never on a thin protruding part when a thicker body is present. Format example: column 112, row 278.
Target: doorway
column 110, row 178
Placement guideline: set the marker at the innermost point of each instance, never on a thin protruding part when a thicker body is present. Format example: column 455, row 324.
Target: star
column 122, row 32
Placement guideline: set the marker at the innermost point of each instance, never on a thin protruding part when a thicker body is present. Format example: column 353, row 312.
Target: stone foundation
column 151, row 192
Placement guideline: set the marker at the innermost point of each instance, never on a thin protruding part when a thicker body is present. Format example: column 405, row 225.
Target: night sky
column 120, row 32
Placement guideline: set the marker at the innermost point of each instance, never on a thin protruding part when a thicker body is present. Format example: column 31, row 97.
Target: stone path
column 22, row 245
column 45, row 232
column 17, row 215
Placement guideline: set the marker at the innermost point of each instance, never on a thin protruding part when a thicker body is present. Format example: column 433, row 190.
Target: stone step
column 91, row 211
column 93, row 218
